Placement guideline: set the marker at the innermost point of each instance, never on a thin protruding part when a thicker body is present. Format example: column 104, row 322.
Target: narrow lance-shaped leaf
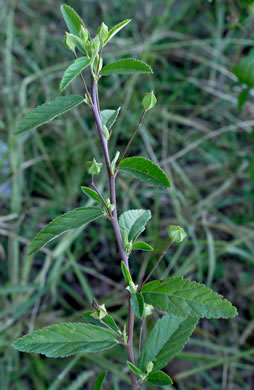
column 159, row 378
column 135, row 369
column 92, row 195
column 126, row 273
column 66, row 339
column 71, row 220
column 72, row 19
column 133, row 222
column 48, row 111
column 108, row 117
column 145, row 170
column 73, row 22
column 166, row 339
column 183, row 297
column 108, row 320
column 141, row 246
column 99, row 380
column 137, row 303
column 73, row 71
column 126, row 66
column 116, row 29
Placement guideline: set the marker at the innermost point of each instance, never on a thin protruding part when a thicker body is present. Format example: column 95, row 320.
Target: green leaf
column 126, row 273
column 92, row 195
column 108, row 320
column 159, row 378
column 176, row 233
column 183, row 297
column 135, row 369
column 137, row 303
column 48, row 111
column 145, row 170
column 73, row 71
column 72, row 19
column 66, row 339
column 244, row 71
column 133, row 222
column 71, row 220
column 73, row 22
column 166, row 339
column 108, row 117
column 142, row 246
column 243, row 97
column 126, row 66
column 99, row 380
column 116, row 29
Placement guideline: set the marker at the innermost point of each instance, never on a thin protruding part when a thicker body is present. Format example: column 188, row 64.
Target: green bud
column 149, row 101
column 102, row 33
column 105, row 132
column 176, row 233
column 70, row 42
column 95, row 46
column 148, row 309
column 84, row 34
column 100, row 313
column 93, row 167
column 87, row 45
column 128, row 247
column 113, row 162
column 110, row 206
column 125, row 335
column 149, row 367
column 86, row 100
column 97, row 67
column 132, row 288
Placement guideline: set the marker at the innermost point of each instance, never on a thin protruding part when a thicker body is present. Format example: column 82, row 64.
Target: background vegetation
column 196, row 133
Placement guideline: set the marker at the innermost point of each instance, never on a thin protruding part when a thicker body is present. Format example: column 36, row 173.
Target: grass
column 196, row 133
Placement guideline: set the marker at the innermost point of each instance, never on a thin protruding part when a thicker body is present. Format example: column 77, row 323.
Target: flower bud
column 176, row 233
column 93, row 167
column 149, row 101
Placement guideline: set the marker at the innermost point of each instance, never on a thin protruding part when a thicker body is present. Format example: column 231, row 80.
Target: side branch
column 156, row 264
column 132, row 138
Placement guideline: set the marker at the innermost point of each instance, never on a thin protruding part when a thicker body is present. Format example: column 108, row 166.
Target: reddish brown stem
column 114, row 220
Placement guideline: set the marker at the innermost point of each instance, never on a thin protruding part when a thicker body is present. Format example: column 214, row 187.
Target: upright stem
column 114, row 220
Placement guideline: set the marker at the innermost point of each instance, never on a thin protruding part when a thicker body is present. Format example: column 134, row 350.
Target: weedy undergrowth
column 180, row 302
